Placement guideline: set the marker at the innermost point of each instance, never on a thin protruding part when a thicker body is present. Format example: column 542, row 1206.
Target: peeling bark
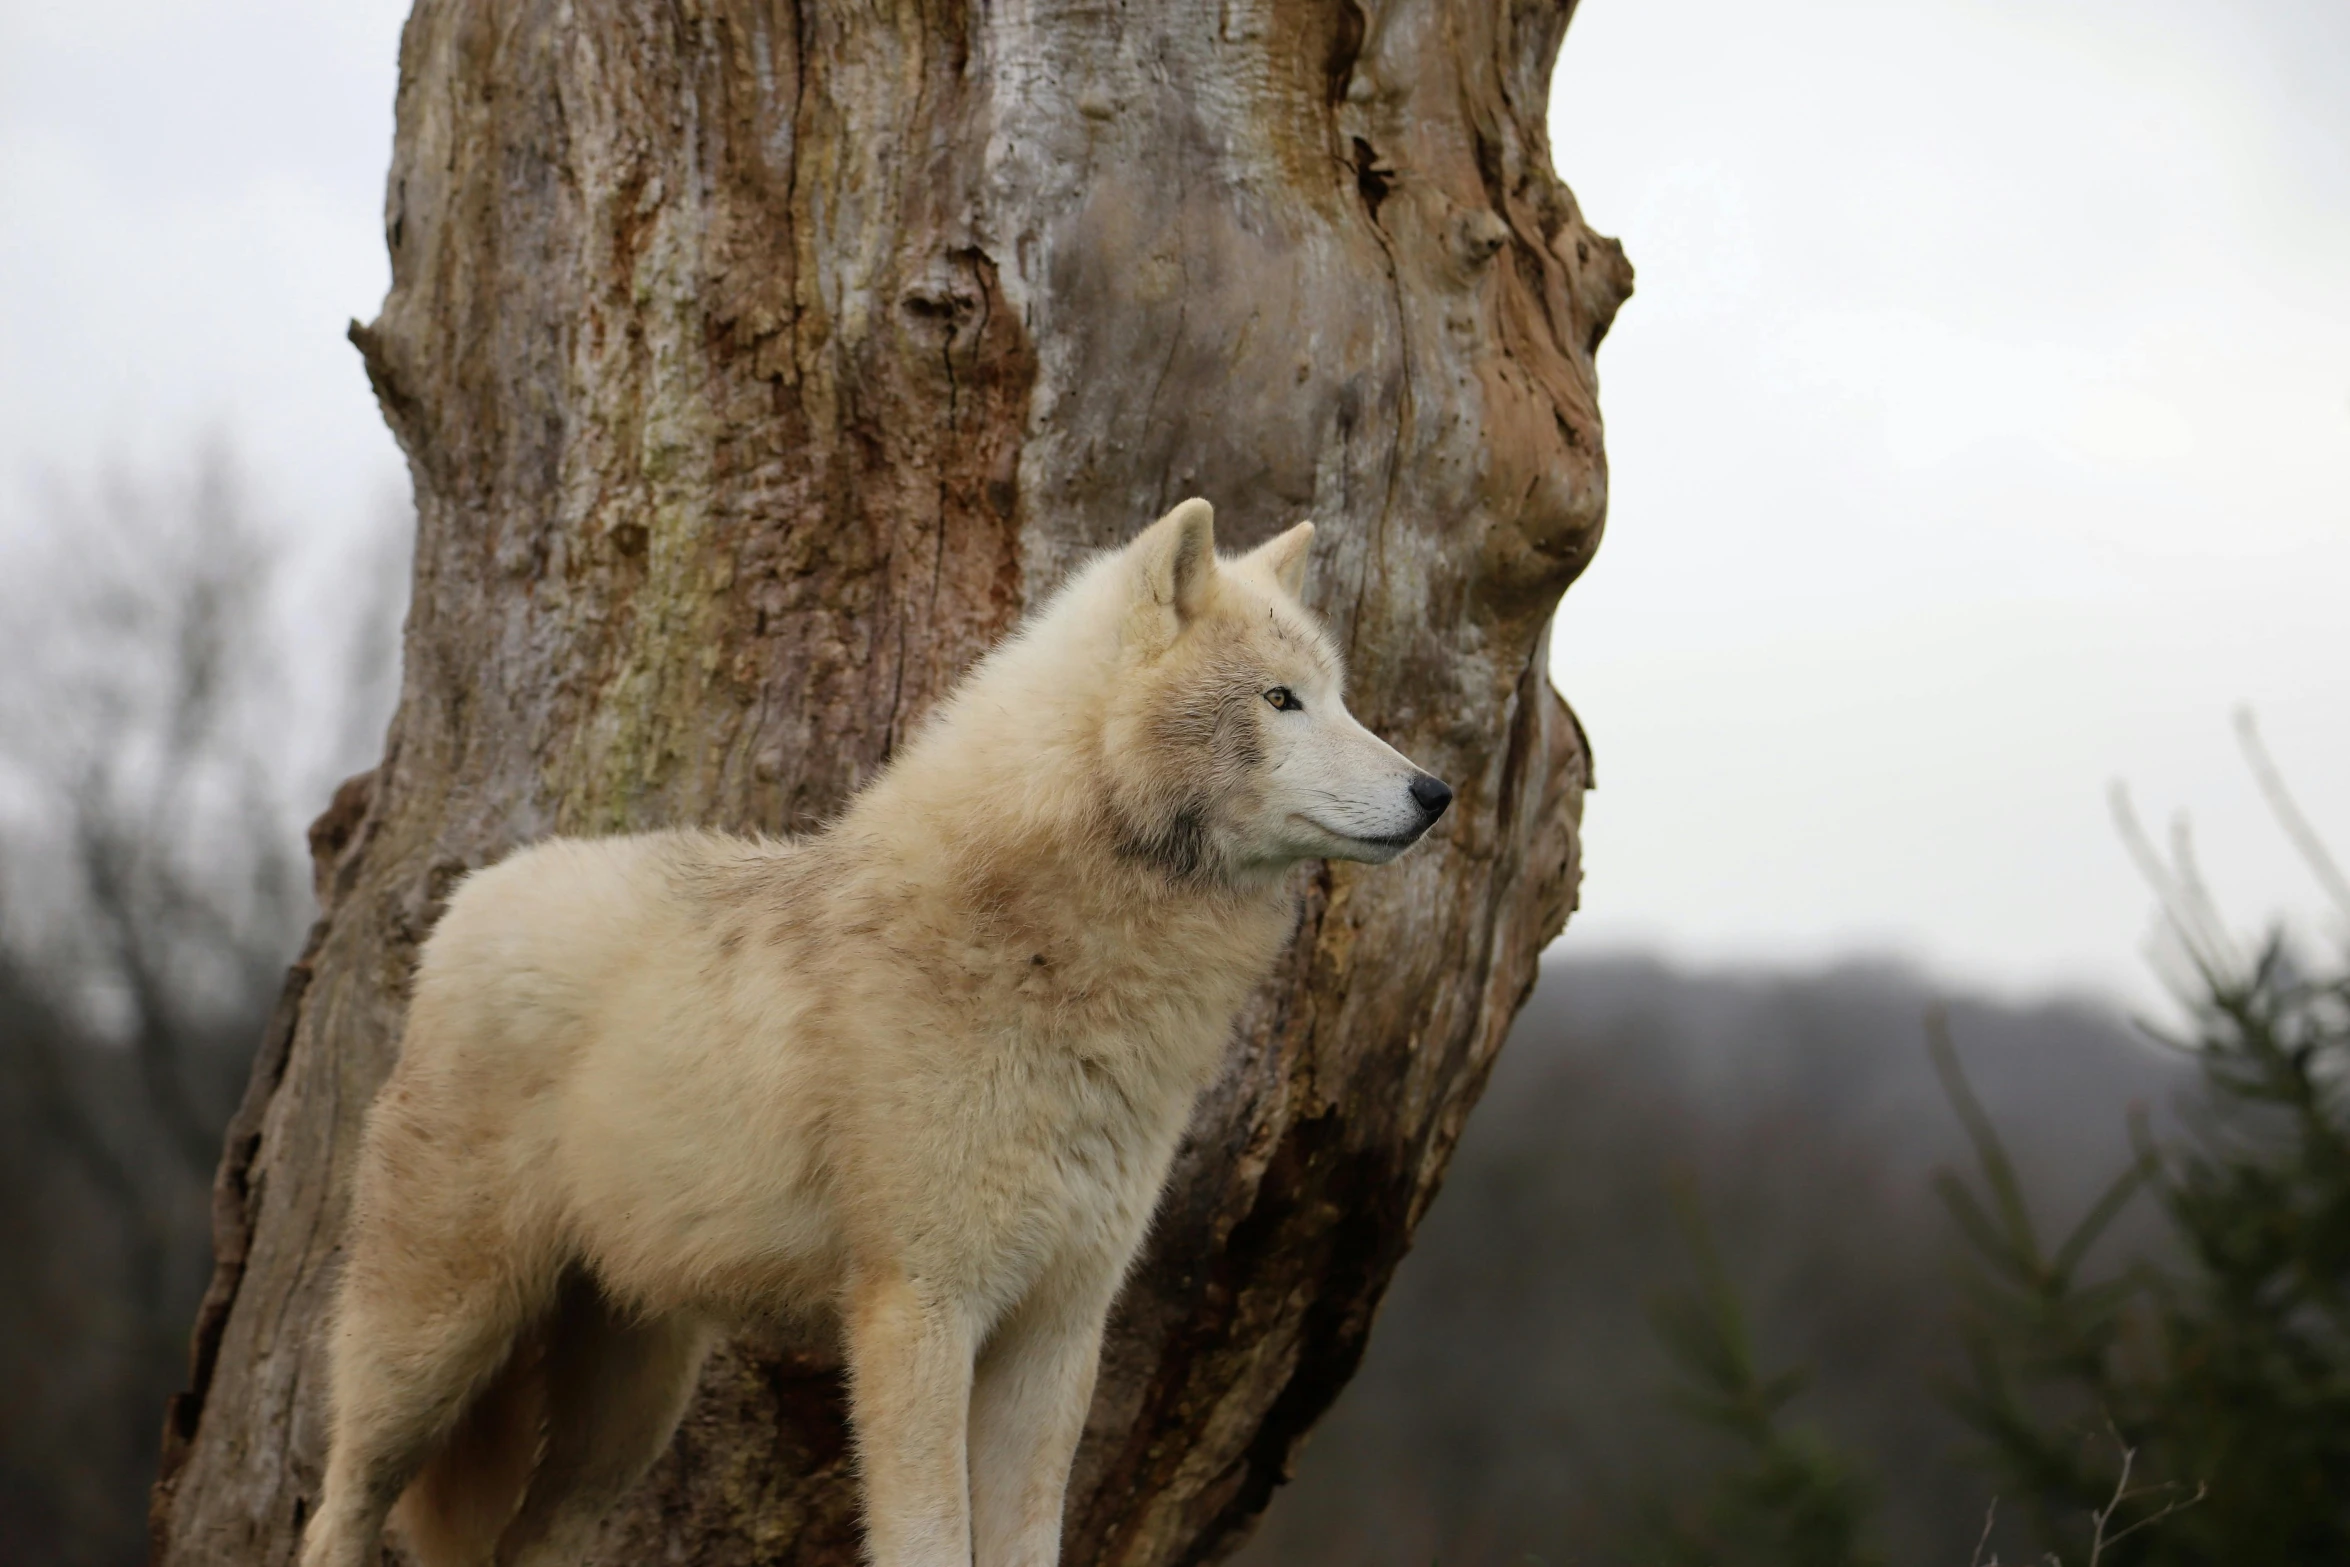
column 755, row 365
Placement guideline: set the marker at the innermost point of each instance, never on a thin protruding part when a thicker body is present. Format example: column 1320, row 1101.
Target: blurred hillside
column 1513, row 1404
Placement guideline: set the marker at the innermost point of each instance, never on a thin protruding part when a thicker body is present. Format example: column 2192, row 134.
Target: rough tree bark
column 755, row 364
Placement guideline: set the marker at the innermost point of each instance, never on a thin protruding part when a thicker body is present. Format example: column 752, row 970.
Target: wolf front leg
column 1034, row 1384
column 910, row 1401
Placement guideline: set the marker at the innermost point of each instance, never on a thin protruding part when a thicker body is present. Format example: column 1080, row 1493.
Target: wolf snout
column 1431, row 794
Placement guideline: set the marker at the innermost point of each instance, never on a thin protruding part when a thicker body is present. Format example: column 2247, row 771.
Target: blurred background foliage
column 1869, row 1349
column 184, row 680
column 1731, row 1267
column 1518, row 1402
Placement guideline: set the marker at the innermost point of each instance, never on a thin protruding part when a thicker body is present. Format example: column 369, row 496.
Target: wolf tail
column 461, row 1503
column 582, row 1407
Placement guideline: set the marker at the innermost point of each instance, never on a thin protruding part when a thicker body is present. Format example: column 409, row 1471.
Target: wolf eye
column 1284, row 699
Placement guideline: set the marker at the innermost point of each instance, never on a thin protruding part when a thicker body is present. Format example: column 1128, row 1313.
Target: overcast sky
column 1980, row 435
column 1980, row 430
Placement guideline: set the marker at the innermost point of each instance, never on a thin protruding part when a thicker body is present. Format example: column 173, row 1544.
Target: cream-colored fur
column 919, row 1075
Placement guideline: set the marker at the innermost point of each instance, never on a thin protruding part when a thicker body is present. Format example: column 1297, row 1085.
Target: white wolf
column 918, row 1076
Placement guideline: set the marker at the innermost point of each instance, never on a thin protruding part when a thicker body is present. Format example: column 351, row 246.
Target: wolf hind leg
column 615, row 1385
column 402, row 1381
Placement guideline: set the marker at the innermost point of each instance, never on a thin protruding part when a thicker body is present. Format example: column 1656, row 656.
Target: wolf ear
column 1284, row 555
column 1178, row 558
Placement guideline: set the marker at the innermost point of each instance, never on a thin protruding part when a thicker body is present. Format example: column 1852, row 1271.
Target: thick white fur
column 919, row 1075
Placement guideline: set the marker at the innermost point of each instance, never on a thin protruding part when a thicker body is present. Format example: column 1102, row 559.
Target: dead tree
column 756, row 365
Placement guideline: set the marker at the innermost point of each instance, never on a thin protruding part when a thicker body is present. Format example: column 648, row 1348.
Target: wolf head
column 1228, row 747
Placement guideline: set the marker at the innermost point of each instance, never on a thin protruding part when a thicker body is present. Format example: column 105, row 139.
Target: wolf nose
column 1432, row 795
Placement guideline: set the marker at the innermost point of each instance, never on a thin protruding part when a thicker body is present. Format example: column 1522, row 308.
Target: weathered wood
column 755, row 366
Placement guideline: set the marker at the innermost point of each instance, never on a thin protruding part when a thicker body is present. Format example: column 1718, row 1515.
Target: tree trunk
column 756, row 365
